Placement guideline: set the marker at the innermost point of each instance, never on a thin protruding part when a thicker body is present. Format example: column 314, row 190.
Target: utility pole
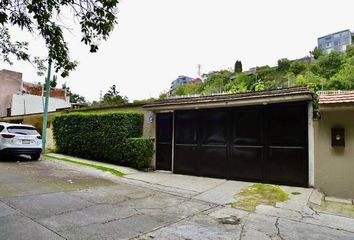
column 46, row 103
column 199, row 70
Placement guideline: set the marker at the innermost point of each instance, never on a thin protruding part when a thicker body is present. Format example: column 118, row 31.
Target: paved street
column 55, row 200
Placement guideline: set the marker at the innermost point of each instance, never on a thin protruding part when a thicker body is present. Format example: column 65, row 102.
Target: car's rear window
column 22, row 130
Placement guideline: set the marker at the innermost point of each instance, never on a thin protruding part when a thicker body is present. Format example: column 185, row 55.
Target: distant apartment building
column 336, row 41
column 21, row 98
column 183, row 80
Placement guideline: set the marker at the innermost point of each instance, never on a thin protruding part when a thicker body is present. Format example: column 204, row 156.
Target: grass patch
column 98, row 167
column 341, row 209
column 249, row 198
column 296, row 193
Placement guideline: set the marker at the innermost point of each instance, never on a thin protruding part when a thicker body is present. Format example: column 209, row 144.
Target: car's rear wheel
column 35, row 156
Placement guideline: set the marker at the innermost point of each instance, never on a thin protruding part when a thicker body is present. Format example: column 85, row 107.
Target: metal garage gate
column 259, row 143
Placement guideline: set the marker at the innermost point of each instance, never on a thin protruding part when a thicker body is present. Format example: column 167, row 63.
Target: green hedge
column 103, row 137
column 139, row 152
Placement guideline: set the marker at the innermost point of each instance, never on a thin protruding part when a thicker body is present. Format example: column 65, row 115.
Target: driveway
column 56, row 200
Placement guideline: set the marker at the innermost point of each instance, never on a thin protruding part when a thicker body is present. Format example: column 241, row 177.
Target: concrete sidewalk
column 51, row 199
column 212, row 190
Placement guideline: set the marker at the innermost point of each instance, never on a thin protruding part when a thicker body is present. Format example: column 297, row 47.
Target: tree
column 113, row 97
column 344, row 79
column 297, row 67
column 240, row 85
column 329, row 65
column 96, row 19
column 316, row 53
column 284, row 64
column 53, row 83
column 73, row 97
column 350, row 51
column 238, row 66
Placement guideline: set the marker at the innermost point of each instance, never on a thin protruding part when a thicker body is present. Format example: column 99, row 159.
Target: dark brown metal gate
column 164, row 123
column 254, row 143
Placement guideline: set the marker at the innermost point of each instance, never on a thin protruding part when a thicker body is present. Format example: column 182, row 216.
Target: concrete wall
column 334, row 166
column 30, row 104
column 10, row 83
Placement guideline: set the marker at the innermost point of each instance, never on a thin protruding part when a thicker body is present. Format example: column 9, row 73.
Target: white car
column 16, row 139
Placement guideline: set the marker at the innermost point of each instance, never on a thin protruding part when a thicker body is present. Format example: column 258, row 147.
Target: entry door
column 164, row 141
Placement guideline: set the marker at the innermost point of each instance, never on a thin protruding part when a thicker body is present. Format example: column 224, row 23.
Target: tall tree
column 238, row 66
column 73, row 97
column 96, row 19
column 113, row 97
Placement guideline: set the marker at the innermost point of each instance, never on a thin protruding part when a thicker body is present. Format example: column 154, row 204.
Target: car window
column 22, row 130
column 1, row 128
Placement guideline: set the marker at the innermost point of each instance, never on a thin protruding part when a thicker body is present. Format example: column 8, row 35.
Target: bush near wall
column 103, row 137
column 139, row 152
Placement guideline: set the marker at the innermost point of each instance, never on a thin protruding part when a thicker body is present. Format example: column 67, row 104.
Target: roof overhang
column 232, row 100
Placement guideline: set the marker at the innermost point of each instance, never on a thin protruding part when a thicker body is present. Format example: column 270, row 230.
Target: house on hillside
column 336, row 41
column 21, row 98
column 183, row 80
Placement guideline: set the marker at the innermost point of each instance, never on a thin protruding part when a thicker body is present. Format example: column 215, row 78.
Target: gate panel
column 246, row 158
column 185, row 154
column 164, row 141
column 287, row 145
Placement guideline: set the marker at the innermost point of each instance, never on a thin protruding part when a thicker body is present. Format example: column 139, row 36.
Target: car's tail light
column 39, row 137
column 5, row 135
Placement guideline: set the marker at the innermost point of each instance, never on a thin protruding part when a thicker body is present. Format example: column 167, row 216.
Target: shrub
column 96, row 136
column 138, row 152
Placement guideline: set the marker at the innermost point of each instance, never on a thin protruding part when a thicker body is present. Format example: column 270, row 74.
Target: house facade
column 260, row 137
column 20, row 98
column 335, row 42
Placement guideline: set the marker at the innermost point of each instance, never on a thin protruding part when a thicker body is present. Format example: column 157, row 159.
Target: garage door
column 260, row 143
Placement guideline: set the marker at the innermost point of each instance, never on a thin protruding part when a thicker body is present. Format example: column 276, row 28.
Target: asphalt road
column 55, row 200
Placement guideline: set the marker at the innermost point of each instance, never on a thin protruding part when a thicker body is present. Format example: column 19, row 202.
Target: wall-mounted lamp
column 338, row 137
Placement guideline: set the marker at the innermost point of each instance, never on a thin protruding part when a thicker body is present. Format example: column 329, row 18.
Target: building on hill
column 20, row 98
column 183, row 80
column 336, row 41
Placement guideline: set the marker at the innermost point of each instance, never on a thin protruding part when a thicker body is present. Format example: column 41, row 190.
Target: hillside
column 334, row 71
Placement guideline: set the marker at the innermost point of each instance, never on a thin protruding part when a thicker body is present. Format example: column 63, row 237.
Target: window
column 328, row 44
column 1, row 128
column 22, row 130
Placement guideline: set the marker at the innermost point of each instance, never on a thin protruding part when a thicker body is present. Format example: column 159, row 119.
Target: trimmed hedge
column 103, row 137
column 139, row 152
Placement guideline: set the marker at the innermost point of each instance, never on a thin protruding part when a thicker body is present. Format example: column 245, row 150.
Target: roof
column 280, row 94
column 336, row 97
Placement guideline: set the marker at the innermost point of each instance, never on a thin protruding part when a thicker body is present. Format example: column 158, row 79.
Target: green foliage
column 316, row 53
column 102, row 137
column 297, row 67
column 98, row 167
column 139, row 152
column 187, row 89
column 74, row 97
column 96, row 19
column 350, row 51
column 329, row 72
column 329, row 65
column 309, row 79
column 240, row 84
column 344, row 79
column 284, row 64
column 113, row 97
column 238, row 66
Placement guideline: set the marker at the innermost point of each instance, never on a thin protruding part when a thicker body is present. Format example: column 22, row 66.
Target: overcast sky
column 157, row 40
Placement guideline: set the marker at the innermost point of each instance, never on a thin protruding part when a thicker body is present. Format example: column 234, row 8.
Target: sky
column 155, row 41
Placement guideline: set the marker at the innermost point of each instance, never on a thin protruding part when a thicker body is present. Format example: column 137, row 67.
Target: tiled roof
column 336, row 97
column 229, row 97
